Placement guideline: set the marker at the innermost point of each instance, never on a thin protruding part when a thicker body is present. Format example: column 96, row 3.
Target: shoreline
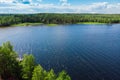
column 52, row 24
column 90, row 23
column 32, row 24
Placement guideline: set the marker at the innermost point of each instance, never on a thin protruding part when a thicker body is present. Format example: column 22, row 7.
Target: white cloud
column 100, row 7
column 64, row 3
column 21, row 1
column 63, row 0
column 6, row 1
column 35, row 1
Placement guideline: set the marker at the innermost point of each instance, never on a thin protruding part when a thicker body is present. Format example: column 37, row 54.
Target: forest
column 55, row 18
column 13, row 68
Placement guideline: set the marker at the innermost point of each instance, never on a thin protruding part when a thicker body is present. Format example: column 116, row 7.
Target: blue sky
column 60, row 6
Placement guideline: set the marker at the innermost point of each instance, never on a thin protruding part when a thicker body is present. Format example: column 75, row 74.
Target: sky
column 60, row 6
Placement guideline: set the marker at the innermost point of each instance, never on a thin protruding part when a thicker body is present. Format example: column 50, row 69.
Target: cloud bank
column 63, row 6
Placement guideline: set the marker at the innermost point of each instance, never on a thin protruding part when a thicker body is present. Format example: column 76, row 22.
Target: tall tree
column 63, row 76
column 27, row 64
column 39, row 73
column 9, row 66
column 50, row 75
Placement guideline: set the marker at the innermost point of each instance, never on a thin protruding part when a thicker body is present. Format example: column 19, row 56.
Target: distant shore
column 51, row 25
column 32, row 24
column 38, row 24
column 91, row 23
column 54, row 19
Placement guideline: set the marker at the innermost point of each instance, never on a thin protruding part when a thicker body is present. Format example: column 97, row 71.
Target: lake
column 86, row 52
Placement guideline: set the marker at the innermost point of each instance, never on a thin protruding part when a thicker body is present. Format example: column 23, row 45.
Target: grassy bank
column 51, row 24
column 90, row 23
column 27, row 24
column 37, row 24
column 33, row 24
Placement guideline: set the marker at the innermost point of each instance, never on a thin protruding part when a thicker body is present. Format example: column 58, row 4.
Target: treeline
column 12, row 68
column 50, row 18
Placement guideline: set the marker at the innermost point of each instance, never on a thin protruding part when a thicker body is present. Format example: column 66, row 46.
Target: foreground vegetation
column 12, row 68
column 44, row 18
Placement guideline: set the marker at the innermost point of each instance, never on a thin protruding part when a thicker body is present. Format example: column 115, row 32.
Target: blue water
column 86, row 52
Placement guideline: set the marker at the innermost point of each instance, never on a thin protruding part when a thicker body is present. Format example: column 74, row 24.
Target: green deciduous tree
column 39, row 73
column 27, row 64
column 9, row 66
column 63, row 76
column 50, row 75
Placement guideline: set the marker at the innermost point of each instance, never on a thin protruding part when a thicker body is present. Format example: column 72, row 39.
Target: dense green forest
column 12, row 68
column 50, row 18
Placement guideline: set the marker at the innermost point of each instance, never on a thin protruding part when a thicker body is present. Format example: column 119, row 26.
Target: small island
column 51, row 19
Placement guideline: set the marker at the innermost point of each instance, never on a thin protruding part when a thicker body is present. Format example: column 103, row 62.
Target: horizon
column 60, row 13
column 59, row 6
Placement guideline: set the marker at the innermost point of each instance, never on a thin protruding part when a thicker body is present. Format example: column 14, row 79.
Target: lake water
column 86, row 52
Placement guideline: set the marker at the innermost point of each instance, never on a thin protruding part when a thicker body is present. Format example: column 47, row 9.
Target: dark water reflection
column 86, row 52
